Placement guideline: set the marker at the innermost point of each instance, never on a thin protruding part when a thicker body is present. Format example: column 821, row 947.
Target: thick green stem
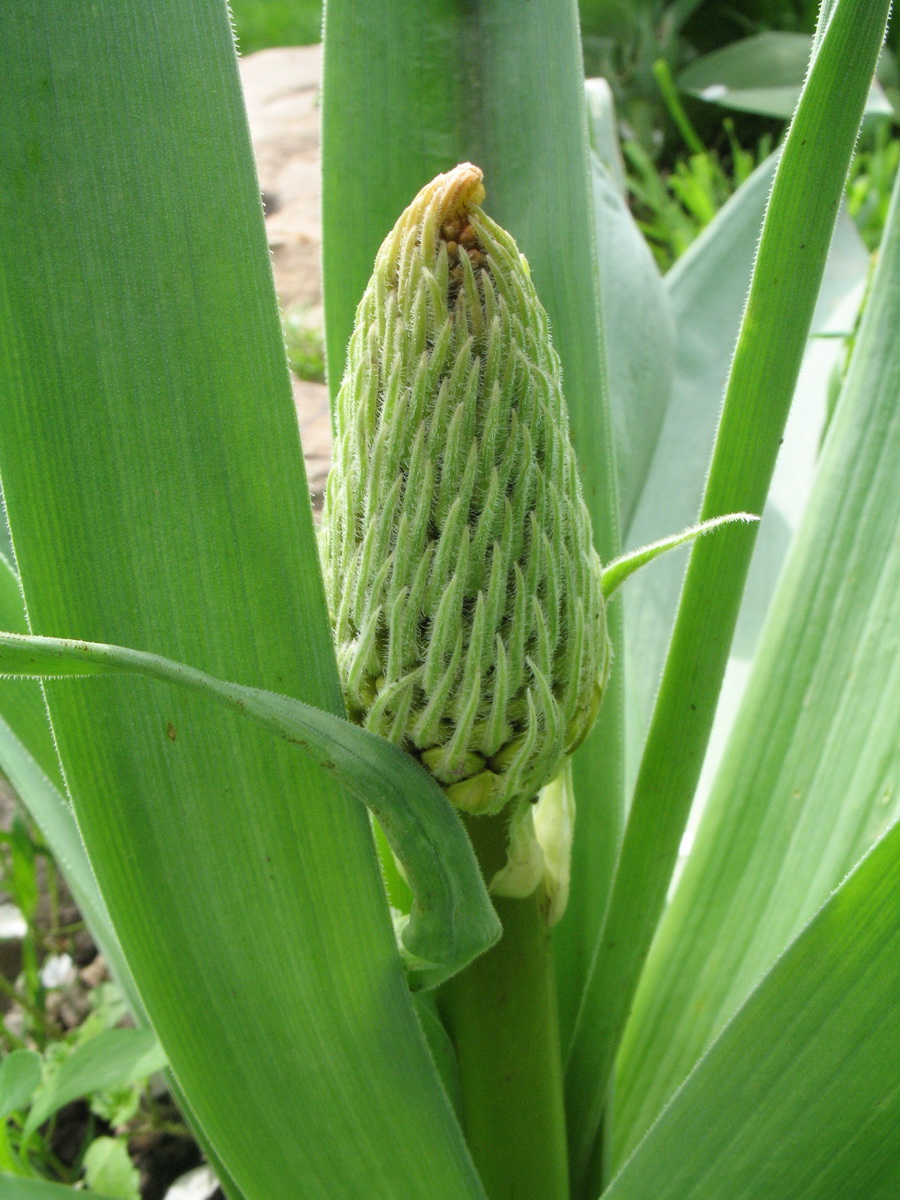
column 501, row 1014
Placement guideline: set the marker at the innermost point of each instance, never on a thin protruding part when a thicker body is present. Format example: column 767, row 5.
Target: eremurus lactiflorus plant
column 465, row 591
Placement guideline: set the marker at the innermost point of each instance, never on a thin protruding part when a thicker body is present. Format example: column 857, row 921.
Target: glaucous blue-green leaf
column 810, row 775
column 799, row 1097
column 790, row 261
column 638, row 322
column 761, row 74
column 707, row 288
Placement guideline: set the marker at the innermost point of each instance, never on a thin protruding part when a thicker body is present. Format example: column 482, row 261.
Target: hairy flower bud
column 461, row 577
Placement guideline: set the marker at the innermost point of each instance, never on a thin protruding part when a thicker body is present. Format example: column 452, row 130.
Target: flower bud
column 464, row 588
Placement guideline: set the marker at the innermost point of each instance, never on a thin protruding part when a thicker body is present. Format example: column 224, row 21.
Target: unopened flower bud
column 464, row 588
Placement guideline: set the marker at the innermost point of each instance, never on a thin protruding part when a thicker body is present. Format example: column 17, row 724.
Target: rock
column 281, row 90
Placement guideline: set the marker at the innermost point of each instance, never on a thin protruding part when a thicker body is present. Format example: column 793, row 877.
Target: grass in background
column 870, row 182
column 304, row 339
column 673, row 206
column 262, row 23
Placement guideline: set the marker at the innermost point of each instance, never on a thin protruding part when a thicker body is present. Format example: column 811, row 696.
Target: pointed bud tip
column 452, row 437
column 456, row 192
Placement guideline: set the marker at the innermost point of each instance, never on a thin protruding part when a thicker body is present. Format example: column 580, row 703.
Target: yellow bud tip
column 464, row 190
column 453, row 194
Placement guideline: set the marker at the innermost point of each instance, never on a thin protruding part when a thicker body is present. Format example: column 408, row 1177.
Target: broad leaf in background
column 810, row 777
column 108, row 1169
column 799, row 1098
column 20, row 1074
column 637, row 317
column 110, row 1060
column 761, row 74
column 156, row 495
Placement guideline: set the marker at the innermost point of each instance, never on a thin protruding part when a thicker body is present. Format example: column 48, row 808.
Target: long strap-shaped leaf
column 794, row 244
column 799, row 1099
column 452, row 919
column 28, row 759
column 811, row 774
column 155, row 489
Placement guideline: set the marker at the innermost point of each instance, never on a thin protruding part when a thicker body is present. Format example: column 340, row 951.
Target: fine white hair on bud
column 464, row 588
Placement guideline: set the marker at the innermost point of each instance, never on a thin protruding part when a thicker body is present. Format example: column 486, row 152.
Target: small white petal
column 198, row 1184
column 13, row 925
column 57, row 970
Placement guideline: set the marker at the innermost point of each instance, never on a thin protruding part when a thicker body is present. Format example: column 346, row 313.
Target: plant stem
column 501, row 1015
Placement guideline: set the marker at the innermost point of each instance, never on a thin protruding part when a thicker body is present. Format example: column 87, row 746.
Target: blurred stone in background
column 281, row 88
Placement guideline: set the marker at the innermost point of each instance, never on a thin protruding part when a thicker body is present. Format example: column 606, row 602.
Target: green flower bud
column 459, row 567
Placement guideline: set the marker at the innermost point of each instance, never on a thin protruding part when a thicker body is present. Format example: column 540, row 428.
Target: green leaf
column 708, row 288
column 810, row 775
column 28, row 759
column 37, row 1189
column 623, row 567
column 53, row 816
column 636, row 311
column 23, row 707
column 442, row 1049
column 799, row 1098
column 411, row 89
column 109, row 1169
column 761, row 74
column 451, row 920
column 156, row 494
column 793, row 247
column 111, row 1059
column 20, row 1074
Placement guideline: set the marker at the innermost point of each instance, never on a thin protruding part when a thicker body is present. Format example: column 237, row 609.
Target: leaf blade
column 808, row 781
column 813, row 1050
column 156, row 494
column 38, row 1189
column 798, row 227
column 452, row 920
column 112, row 1059
column 20, row 1074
